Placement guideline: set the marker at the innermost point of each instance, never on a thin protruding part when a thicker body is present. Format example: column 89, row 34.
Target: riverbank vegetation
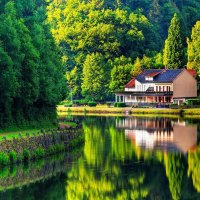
column 24, row 147
column 127, row 110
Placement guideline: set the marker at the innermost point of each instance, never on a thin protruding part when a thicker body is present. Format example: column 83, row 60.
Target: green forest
column 32, row 73
column 91, row 48
column 105, row 43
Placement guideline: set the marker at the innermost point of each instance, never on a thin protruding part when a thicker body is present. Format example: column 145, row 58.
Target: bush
column 13, row 156
column 92, row 103
column 26, row 155
column 60, row 147
column 184, row 105
column 193, row 102
column 83, row 102
column 119, row 104
column 4, row 159
column 38, row 153
column 76, row 102
column 174, row 105
column 68, row 105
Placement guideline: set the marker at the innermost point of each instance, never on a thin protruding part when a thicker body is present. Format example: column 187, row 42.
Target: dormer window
column 149, row 78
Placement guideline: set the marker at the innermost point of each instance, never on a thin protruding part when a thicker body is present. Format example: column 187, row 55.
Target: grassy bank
column 24, row 148
column 121, row 111
column 107, row 110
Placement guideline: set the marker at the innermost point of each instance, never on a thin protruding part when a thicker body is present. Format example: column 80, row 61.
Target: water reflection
column 160, row 133
column 42, row 179
column 115, row 164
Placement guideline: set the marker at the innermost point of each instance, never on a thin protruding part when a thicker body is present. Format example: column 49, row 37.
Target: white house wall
column 139, row 87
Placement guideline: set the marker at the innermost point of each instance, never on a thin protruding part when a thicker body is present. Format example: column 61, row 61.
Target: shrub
column 68, row 105
column 20, row 157
column 4, row 172
column 38, row 153
column 59, row 147
column 63, row 102
column 83, row 102
column 51, row 150
column 174, row 105
column 119, row 104
column 193, row 102
column 13, row 156
column 76, row 102
column 92, row 103
column 26, row 155
column 184, row 105
column 4, row 159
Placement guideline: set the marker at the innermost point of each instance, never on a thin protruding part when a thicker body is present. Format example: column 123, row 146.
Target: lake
column 122, row 158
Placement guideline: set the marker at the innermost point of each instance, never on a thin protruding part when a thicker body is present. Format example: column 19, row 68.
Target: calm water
column 122, row 158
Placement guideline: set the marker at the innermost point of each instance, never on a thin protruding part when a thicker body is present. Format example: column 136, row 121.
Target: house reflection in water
column 159, row 133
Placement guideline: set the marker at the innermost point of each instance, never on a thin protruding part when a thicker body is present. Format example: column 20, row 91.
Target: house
column 159, row 86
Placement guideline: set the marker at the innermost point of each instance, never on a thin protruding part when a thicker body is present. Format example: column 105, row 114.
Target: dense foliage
column 32, row 80
column 194, row 48
column 85, row 30
column 174, row 45
column 121, row 33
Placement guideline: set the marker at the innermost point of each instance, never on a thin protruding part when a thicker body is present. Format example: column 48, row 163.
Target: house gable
column 184, row 85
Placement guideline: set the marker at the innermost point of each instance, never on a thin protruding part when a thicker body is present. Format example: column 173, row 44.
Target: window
column 148, row 78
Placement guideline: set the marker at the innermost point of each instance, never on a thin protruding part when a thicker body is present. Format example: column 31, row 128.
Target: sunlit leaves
column 194, row 48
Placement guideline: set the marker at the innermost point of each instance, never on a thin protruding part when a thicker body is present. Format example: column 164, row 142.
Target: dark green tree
column 194, row 48
column 30, row 65
column 174, row 45
column 95, row 79
column 121, row 73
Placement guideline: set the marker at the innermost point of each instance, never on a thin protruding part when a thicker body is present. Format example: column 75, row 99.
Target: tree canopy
column 174, row 45
column 194, row 48
column 30, row 64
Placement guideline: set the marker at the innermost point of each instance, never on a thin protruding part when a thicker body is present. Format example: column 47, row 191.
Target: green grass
column 16, row 134
column 72, row 124
column 106, row 110
column 122, row 111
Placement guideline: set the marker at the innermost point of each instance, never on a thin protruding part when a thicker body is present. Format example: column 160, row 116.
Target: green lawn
column 72, row 124
column 15, row 134
column 105, row 110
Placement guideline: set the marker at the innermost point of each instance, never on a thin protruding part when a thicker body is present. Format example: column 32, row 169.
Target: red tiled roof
column 131, row 83
column 153, row 74
column 192, row 72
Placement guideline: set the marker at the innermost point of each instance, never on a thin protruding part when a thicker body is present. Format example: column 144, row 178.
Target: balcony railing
column 147, row 93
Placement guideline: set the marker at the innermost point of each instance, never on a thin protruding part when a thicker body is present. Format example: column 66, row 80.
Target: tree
column 194, row 48
column 120, row 73
column 89, row 27
column 31, row 70
column 137, row 67
column 95, row 80
column 73, row 80
column 174, row 45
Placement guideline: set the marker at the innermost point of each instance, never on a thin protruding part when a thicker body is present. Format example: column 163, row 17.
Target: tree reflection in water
column 114, row 167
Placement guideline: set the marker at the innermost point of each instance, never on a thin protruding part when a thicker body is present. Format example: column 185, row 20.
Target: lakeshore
column 128, row 110
column 21, row 148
